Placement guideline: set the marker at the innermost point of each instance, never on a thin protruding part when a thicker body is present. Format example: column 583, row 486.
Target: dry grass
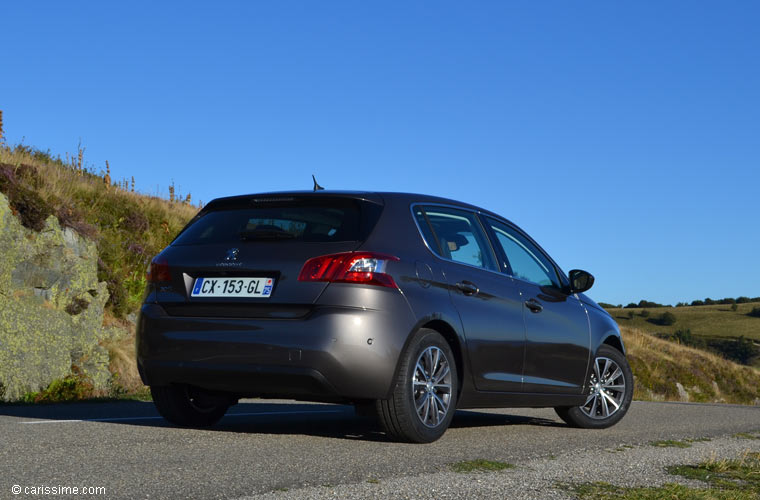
column 659, row 364
column 123, row 363
column 128, row 227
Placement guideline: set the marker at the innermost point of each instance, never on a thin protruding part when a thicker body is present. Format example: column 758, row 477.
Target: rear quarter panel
column 421, row 279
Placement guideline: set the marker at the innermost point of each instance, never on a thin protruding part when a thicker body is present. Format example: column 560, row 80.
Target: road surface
column 272, row 446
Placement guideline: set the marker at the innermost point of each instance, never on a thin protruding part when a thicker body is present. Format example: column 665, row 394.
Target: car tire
column 188, row 407
column 611, row 392
column 424, row 396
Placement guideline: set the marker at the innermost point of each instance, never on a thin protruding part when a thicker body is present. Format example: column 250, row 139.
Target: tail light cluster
column 158, row 271
column 367, row 268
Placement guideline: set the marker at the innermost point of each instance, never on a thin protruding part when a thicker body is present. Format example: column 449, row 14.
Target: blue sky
column 624, row 138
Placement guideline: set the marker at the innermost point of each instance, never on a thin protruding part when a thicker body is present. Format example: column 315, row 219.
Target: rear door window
column 456, row 235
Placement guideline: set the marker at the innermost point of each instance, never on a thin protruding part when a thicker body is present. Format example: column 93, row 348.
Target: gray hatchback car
column 408, row 305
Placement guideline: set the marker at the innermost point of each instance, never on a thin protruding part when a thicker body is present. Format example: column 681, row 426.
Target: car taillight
column 158, row 271
column 367, row 268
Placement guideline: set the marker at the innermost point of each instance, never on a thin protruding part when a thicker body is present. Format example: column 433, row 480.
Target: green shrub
column 667, row 319
column 755, row 312
column 644, row 313
column 117, row 294
column 734, row 307
column 73, row 387
column 30, row 208
column 684, row 337
column 741, row 350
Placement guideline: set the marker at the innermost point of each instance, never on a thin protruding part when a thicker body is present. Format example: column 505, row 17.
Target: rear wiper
column 266, row 234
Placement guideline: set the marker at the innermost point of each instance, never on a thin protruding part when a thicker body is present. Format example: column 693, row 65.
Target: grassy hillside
column 658, row 365
column 705, row 321
column 724, row 329
column 128, row 227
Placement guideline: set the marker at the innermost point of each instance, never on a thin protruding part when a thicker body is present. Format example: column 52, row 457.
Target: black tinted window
column 339, row 221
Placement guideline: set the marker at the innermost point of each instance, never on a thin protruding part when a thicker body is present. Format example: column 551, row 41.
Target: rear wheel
column 611, row 383
column 187, row 406
column 424, row 397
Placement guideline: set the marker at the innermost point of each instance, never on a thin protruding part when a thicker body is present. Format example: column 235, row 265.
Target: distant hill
column 725, row 329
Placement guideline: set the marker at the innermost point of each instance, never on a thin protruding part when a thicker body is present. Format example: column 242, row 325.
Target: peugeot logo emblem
column 232, row 254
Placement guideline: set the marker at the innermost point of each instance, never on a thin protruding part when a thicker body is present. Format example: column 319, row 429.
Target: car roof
column 380, row 197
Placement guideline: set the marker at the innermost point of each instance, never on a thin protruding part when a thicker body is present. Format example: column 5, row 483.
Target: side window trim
column 504, row 265
column 432, row 229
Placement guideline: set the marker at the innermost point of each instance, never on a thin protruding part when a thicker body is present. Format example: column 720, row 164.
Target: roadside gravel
column 642, row 465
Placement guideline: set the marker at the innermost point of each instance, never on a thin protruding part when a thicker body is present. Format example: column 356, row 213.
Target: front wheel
column 187, row 406
column 611, row 392
column 424, row 398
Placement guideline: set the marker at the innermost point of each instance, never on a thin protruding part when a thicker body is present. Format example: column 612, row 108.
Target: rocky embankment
column 51, row 307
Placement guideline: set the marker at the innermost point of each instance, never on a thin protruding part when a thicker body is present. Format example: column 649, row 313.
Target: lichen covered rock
column 51, row 307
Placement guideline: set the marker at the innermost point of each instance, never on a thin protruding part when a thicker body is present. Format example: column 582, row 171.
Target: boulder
column 51, row 307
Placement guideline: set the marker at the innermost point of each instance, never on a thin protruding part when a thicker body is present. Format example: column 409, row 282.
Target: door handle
column 467, row 287
column 534, row 305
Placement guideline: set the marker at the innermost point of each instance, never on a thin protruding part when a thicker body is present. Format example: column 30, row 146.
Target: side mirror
column 580, row 281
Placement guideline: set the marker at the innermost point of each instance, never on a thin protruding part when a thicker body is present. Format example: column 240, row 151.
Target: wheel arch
column 614, row 340
column 451, row 335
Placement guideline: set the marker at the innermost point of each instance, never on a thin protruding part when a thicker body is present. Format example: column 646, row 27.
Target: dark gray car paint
column 343, row 342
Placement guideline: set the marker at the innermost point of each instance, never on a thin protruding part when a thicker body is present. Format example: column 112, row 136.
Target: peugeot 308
column 407, row 304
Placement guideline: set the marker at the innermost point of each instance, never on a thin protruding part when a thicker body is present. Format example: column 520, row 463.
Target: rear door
column 243, row 257
column 487, row 300
column 557, row 351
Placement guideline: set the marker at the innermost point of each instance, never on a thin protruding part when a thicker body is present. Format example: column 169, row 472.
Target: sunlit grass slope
column 658, row 365
column 128, row 227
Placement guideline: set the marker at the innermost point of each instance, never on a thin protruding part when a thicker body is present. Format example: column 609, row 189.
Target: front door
column 557, row 350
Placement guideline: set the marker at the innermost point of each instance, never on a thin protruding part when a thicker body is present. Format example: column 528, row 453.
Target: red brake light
column 367, row 268
column 158, row 270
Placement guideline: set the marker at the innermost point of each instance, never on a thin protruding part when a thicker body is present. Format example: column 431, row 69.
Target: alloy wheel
column 431, row 386
column 607, row 389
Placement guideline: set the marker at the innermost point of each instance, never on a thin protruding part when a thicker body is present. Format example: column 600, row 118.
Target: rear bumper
column 332, row 354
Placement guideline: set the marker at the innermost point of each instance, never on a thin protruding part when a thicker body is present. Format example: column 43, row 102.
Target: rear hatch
column 241, row 256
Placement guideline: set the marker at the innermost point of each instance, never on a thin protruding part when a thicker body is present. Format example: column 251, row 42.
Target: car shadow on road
column 321, row 420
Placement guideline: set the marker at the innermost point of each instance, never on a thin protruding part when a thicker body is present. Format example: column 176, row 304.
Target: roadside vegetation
column 480, row 465
column 128, row 227
column 672, row 443
column 737, row 479
column 660, row 366
column 730, row 330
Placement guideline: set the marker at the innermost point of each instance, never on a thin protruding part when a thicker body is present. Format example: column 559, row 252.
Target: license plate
column 232, row 287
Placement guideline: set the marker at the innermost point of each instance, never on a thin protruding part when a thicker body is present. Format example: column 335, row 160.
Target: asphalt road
column 265, row 446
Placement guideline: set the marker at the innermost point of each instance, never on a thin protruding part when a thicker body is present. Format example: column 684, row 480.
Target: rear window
column 316, row 221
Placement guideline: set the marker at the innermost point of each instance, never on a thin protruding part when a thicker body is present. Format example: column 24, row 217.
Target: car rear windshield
column 323, row 220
